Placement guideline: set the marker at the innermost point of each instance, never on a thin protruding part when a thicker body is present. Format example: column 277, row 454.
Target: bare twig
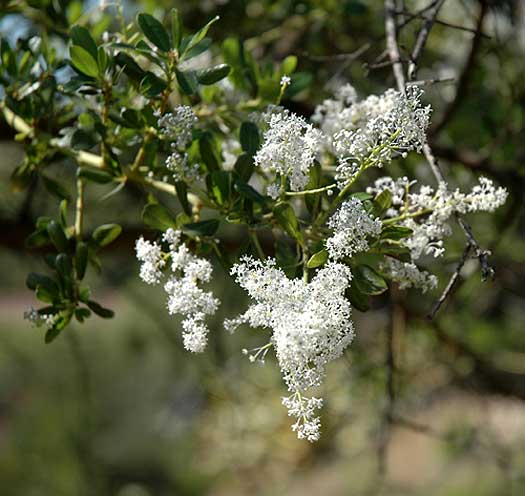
column 430, row 82
column 339, row 57
column 451, row 283
column 448, row 24
column 393, row 52
column 394, row 332
column 486, row 270
column 422, row 38
column 392, row 45
column 466, row 73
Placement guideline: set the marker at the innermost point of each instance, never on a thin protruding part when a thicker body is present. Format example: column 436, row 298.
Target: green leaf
column 130, row 67
column 51, row 334
column 82, row 313
column 83, row 140
column 154, row 31
column 63, row 213
column 249, row 137
column 357, row 298
column 84, row 294
column 382, row 202
column 37, row 239
column 102, row 60
column 213, row 74
column 395, row 232
column 34, row 281
column 55, row 188
column 64, row 266
column 208, row 151
column 218, row 183
column 182, row 194
column 286, row 257
column 285, row 215
column 199, row 35
column 176, row 28
column 188, row 81
column 288, row 65
column 8, row 58
column 106, row 234
column 105, row 313
column 300, row 81
column 82, row 38
column 158, row 217
column 95, row 175
column 83, row 61
column 199, row 48
column 317, row 259
column 368, row 281
column 151, row 85
column 395, row 250
column 244, row 167
column 57, row 236
column 203, row 228
column 361, row 195
column 244, row 189
column 81, row 259
column 44, row 295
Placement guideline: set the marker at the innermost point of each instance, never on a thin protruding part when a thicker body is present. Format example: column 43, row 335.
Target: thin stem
column 306, row 273
column 419, row 213
column 311, row 191
column 79, row 209
column 142, row 150
column 256, row 243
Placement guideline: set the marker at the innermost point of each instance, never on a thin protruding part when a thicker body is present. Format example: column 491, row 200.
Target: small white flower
column 408, row 275
column 150, row 254
column 185, row 296
column 178, row 163
column 289, row 148
column 40, row 320
column 370, row 132
column 308, row 425
column 178, row 125
column 429, row 230
column 352, row 226
column 310, row 324
column 285, row 80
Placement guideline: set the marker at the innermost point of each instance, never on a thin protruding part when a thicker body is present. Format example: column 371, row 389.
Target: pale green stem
column 393, row 220
column 256, row 243
column 79, row 209
column 311, row 191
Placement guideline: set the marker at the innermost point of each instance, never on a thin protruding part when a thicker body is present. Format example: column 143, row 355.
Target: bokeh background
column 119, row 408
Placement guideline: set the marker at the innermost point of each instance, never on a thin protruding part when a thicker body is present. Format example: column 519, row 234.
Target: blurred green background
column 119, row 408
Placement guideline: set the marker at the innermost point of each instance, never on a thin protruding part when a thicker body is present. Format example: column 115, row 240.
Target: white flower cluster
column 310, row 323
column 427, row 213
column 289, row 148
column 336, row 114
column 307, row 425
column 352, row 225
column 185, row 297
column 39, row 320
column 370, row 132
column 178, row 164
column 409, row 275
column 152, row 258
column 178, row 125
